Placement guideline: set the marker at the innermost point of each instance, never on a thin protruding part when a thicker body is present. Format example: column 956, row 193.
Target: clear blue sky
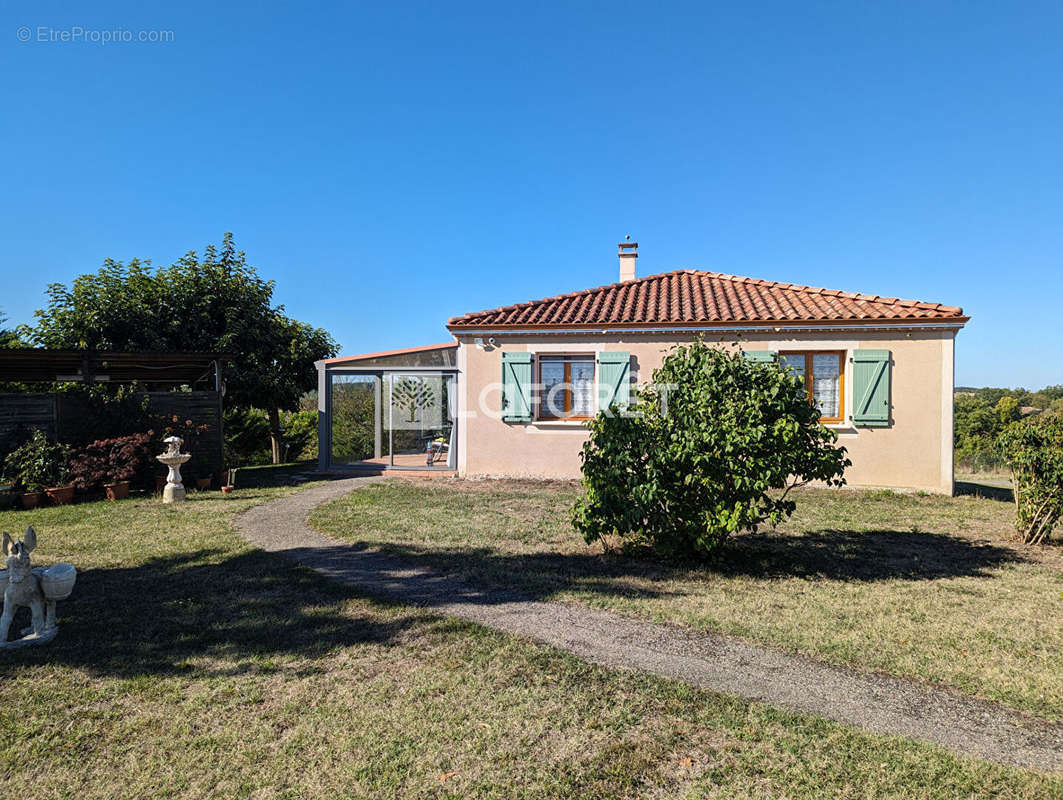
column 394, row 165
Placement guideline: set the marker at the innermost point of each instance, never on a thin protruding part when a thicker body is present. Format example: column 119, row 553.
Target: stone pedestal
column 174, row 491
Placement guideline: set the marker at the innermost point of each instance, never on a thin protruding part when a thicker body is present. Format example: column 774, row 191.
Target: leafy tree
column 286, row 377
column 1044, row 398
column 9, row 338
column 981, row 415
column 353, row 421
column 1033, row 449
column 300, row 435
column 714, row 446
column 211, row 303
column 246, row 434
column 247, row 431
column 978, row 419
column 1007, row 409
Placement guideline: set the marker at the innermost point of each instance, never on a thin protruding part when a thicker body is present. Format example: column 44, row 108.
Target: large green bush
column 712, row 447
column 1033, row 450
column 299, row 435
column 246, row 437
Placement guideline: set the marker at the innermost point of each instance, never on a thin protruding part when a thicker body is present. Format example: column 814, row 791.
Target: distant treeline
column 981, row 414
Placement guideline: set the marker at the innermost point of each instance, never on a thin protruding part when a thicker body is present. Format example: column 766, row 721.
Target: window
column 566, row 387
column 824, row 378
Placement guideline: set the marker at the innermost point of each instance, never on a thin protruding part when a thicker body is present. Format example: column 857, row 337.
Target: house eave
column 768, row 326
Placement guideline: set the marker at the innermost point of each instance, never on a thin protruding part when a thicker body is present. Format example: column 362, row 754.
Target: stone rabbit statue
column 23, row 586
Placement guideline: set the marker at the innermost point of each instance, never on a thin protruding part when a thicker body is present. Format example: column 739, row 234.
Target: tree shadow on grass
column 879, row 555
column 429, row 576
column 173, row 615
column 204, row 613
column 987, row 490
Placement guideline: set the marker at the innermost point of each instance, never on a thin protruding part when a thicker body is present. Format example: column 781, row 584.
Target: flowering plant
column 185, row 428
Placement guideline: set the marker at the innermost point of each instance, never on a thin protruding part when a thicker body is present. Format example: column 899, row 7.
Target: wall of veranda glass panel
column 393, row 418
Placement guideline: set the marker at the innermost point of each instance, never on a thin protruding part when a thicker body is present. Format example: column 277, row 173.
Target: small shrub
column 38, row 464
column 1033, row 450
column 125, row 458
column 716, row 445
column 881, row 494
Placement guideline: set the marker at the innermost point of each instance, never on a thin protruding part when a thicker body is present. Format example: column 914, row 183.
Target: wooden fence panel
column 21, row 413
column 203, row 408
column 57, row 415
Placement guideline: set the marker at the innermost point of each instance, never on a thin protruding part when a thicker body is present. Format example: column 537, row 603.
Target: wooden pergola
column 31, row 365
column 35, row 405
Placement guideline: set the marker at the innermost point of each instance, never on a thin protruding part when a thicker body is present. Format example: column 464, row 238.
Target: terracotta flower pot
column 203, row 484
column 226, row 489
column 117, row 491
column 31, row 499
column 61, row 495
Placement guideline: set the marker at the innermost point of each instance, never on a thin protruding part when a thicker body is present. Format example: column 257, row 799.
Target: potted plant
column 88, row 467
column 61, row 489
column 116, row 491
column 129, row 457
column 111, row 464
column 7, row 496
column 61, row 495
column 31, row 496
column 40, row 465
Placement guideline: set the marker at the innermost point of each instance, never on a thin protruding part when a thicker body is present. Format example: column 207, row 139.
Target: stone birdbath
column 174, row 492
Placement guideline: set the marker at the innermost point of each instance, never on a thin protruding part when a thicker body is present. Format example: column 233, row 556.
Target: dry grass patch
column 924, row 586
column 189, row 665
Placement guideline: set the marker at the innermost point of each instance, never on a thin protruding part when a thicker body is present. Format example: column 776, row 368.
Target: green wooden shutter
column 760, row 356
column 516, row 387
column 871, row 387
column 614, row 380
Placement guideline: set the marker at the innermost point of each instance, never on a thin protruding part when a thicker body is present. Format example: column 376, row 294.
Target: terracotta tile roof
column 690, row 296
column 384, row 353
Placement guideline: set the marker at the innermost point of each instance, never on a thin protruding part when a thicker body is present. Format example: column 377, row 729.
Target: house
column 510, row 393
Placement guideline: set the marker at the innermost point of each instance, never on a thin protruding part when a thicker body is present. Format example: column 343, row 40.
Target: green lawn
column 189, row 665
column 923, row 586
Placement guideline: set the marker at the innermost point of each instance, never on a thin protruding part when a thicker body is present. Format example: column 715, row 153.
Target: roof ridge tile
column 692, row 295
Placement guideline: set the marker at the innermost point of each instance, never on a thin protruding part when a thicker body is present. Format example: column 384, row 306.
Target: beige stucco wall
column 914, row 452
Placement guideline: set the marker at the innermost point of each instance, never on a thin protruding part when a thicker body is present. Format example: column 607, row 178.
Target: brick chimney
column 629, row 253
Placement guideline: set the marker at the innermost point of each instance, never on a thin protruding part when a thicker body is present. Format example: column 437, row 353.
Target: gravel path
column 874, row 702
